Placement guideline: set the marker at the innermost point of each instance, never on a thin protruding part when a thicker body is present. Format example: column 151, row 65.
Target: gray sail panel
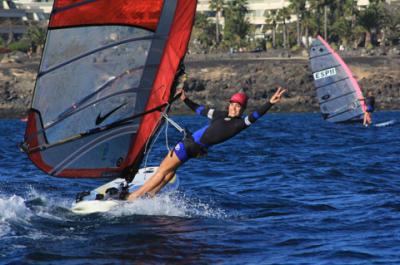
column 335, row 91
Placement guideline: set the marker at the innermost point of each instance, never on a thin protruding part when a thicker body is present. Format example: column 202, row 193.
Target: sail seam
column 62, row 9
column 97, row 50
column 337, row 81
column 321, row 55
column 79, row 109
column 340, row 113
column 329, row 100
column 80, row 151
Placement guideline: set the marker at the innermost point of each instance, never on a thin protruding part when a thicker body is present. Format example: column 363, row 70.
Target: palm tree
column 217, row 6
column 283, row 16
column 391, row 24
column 321, row 7
column 370, row 20
column 298, row 6
column 37, row 36
column 350, row 12
column 271, row 17
column 203, row 32
column 309, row 25
column 236, row 23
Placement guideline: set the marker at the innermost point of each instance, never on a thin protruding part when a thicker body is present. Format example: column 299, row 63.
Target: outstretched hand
column 182, row 92
column 180, row 86
column 278, row 95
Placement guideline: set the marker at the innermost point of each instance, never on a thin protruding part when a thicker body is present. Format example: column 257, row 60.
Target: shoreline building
column 11, row 21
column 256, row 14
column 35, row 10
column 258, row 8
column 17, row 15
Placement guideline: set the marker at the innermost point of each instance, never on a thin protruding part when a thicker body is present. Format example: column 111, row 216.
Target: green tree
column 341, row 31
column 298, row 7
column 203, row 32
column 217, row 6
column 371, row 20
column 36, row 36
column 321, row 8
column 391, row 25
column 271, row 18
column 349, row 11
column 236, row 24
column 284, row 16
column 309, row 25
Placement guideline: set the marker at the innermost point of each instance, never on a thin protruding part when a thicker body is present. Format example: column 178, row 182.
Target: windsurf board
column 105, row 197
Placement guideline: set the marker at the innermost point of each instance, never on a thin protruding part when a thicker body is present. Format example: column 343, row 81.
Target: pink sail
column 338, row 92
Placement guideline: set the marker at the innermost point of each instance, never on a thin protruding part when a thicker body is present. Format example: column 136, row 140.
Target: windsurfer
column 370, row 102
column 224, row 125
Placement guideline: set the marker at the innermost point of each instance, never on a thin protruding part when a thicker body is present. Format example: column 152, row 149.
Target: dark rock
column 214, row 80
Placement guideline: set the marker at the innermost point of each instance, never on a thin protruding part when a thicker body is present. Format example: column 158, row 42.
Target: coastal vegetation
column 344, row 24
column 32, row 41
column 341, row 22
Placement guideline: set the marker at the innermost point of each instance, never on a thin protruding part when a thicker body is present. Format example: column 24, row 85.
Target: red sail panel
column 94, row 78
column 34, row 140
column 175, row 50
column 69, row 13
column 65, row 3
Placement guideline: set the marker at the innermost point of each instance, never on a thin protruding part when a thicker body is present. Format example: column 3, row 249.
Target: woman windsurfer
column 224, row 125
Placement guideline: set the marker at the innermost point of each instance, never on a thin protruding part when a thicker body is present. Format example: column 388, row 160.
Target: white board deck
column 89, row 204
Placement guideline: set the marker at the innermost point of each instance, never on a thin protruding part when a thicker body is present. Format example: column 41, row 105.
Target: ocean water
column 292, row 189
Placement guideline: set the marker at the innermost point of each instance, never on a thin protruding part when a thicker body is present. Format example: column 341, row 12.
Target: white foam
column 167, row 205
column 48, row 204
column 12, row 209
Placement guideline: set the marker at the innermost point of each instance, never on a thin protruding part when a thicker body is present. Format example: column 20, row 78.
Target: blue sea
column 292, row 189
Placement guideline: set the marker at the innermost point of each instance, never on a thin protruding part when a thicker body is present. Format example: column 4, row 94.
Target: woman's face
column 234, row 109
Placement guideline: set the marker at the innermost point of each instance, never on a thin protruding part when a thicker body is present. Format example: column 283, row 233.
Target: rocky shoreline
column 212, row 80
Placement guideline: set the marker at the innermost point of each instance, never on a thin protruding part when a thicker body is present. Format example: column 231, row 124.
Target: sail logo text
column 324, row 73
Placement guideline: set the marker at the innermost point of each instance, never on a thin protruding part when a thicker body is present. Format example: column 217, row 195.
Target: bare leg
column 365, row 118
column 167, row 166
column 369, row 118
column 167, row 178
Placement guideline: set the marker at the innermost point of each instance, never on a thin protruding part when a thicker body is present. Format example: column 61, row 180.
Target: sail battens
column 337, row 91
column 89, row 146
column 73, row 5
column 81, row 107
column 341, row 113
column 105, row 76
column 72, row 60
column 319, row 56
column 332, row 99
column 332, row 83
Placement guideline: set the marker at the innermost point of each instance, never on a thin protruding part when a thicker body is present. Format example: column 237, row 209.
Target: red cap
column 240, row 98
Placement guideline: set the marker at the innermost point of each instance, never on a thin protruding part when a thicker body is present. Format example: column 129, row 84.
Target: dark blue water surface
column 292, row 189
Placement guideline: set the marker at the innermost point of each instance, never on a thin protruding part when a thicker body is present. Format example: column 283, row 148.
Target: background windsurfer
column 224, row 125
column 370, row 102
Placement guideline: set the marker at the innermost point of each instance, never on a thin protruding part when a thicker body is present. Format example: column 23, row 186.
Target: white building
column 11, row 20
column 38, row 10
column 258, row 8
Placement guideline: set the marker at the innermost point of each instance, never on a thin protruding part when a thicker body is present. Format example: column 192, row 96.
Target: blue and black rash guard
column 222, row 127
column 370, row 102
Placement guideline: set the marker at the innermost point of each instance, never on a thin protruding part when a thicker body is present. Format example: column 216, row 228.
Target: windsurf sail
column 339, row 95
column 106, row 75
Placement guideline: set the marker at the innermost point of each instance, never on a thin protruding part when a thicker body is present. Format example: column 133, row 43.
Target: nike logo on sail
column 100, row 118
